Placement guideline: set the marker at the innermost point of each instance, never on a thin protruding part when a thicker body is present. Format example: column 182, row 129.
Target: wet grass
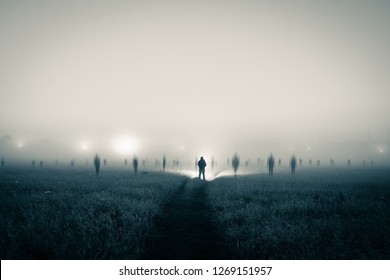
column 316, row 214
column 72, row 214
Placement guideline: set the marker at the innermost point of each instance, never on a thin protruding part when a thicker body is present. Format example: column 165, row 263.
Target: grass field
column 316, row 214
column 64, row 213
column 71, row 214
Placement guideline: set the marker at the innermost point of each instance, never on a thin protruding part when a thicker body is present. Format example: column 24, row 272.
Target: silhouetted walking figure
column 104, row 162
column 135, row 165
column 271, row 164
column 96, row 162
column 202, row 167
column 293, row 164
column 235, row 163
column 164, row 162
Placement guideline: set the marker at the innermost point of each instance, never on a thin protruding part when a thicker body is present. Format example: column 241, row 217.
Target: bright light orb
column 84, row 146
column 125, row 145
column 20, row 145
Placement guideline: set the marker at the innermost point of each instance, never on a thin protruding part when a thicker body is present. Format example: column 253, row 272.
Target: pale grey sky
column 201, row 70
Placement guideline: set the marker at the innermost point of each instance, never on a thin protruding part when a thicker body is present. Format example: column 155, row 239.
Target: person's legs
column 200, row 172
column 203, row 173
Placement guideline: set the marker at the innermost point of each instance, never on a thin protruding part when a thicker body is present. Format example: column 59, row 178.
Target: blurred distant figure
column 310, row 162
column 56, row 162
column 247, row 163
column 318, row 162
column 2, row 162
column 293, row 164
column 212, row 164
column 126, row 161
column 164, row 164
column 202, row 167
column 300, row 162
column 33, row 163
column 41, row 163
column 271, row 164
column 349, row 162
column 135, row 165
column 143, row 163
column 280, row 162
column 71, row 163
column 258, row 161
column 96, row 162
column 235, row 163
column 104, row 162
column 364, row 163
column 331, row 162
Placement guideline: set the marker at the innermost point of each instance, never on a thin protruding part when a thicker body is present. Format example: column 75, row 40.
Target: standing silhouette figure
column 235, row 163
column 293, row 164
column 96, row 162
column 135, row 165
column 164, row 162
column 202, row 167
column 271, row 164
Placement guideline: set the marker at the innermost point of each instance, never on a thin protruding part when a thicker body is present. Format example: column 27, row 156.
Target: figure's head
column 201, row 157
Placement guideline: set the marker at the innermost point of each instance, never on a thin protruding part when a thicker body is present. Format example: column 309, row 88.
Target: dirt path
column 185, row 230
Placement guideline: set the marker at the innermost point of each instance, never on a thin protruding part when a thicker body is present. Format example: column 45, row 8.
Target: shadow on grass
column 184, row 230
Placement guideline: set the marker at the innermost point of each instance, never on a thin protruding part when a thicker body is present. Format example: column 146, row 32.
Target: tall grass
column 316, row 214
column 72, row 214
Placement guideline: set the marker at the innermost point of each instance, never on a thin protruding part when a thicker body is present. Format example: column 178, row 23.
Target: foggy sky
column 195, row 71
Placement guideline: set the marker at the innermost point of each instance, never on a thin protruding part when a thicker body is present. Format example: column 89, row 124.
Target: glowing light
column 125, row 145
column 84, row 146
column 20, row 145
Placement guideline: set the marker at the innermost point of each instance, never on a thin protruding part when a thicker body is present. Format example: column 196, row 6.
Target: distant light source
column 84, row 146
column 125, row 145
column 20, row 145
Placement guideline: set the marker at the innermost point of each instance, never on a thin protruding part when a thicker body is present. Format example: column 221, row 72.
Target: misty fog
column 192, row 78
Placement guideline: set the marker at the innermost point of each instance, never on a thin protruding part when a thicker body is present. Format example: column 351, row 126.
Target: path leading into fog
column 184, row 230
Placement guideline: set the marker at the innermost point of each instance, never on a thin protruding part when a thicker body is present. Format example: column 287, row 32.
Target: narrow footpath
column 184, row 230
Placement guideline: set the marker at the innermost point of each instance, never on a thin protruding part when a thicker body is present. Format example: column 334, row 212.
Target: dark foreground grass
column 316, row 214
column 72, row 214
